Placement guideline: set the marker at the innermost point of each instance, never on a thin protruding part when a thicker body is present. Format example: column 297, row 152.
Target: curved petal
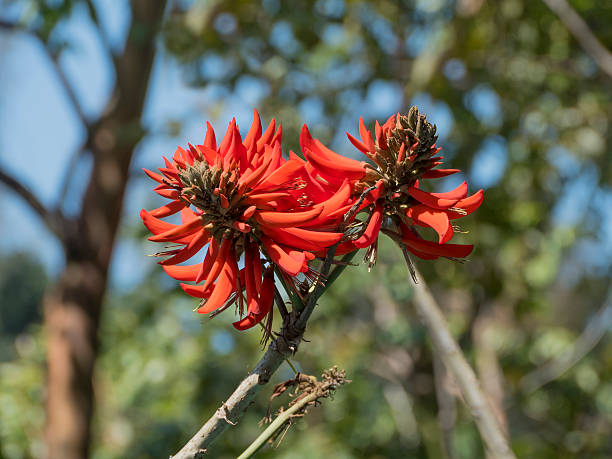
column 264, row 306
column 281, row 258
column 436, row 219
column 284, row 219
column 431, row 200
column 169, row 209
column 218, row 262
column 371, row 232
column 432, row 248
column 223, row 288
column 439, row 173
column 186, row 273
column 199, row 240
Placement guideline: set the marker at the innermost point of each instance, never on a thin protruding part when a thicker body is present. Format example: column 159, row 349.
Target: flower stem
column 280, row 420
column 346, row 259
column 278, row 351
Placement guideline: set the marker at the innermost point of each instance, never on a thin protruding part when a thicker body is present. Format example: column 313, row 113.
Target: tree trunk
column 73, row 306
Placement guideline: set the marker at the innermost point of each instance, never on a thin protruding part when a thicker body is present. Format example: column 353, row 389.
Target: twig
column 455, row 362
column 318, row 288
column 581, row 32
column 53, row 220
column 280, row 304
column 447, row 410
column 341, row 266
column 592, row 334
column 93, row 13
column 308, row 392
column 280, row 420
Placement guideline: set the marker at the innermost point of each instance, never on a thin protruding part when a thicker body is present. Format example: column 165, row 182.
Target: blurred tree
column 73, row 305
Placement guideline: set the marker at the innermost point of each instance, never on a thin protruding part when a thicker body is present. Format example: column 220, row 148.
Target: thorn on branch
column 222, row 413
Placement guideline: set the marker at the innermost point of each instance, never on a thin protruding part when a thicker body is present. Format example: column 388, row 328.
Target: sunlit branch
column 491, row 432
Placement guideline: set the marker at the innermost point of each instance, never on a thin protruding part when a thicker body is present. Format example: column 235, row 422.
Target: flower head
column 403, row 153
column 241, row 197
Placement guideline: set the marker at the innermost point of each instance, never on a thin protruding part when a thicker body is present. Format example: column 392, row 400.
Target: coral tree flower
column 403, row 154
column 241, row 197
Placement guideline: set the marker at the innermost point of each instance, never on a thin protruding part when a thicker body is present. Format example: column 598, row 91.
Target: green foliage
column 22, row 282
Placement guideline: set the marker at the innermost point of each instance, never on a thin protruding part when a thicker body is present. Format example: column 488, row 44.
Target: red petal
column 371, row 232
column 219, row 262
column 265, row 305
column 436, row 219
column 178, row 231
column 209, row 259
column 469, row 205
column 154, row 176
column 266, row 136
column 187, row 273
column 199, row 240
column 286, row 173
column 431, row 200
column 333, row 204
column 458, row 193
column 227, row 138
column 164, row 192
column 155, row 225
column 251, row 287
column 196, row 290
column 284, row 219
column 264, row 198
column 432, row 248
column 360, row 146
column 251, row 179
column 327, row 160
column 169, row 209
column 438, row 173
column 366, row 136
column 223, row 288
column 283, row 236
column 210, row 141
column 322, row 239
column 254, row 133
column 281, row 258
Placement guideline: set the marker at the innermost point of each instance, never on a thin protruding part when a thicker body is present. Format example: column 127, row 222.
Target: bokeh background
column 521, row 92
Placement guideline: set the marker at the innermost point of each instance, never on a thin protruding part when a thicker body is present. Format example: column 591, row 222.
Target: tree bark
column 73, row 306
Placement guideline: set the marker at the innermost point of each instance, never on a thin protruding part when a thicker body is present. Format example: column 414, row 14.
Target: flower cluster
column 245, row 203
column 402, row 153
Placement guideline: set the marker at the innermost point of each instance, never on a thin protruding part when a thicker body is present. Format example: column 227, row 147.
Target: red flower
column 403, row 152
column 241, row 197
